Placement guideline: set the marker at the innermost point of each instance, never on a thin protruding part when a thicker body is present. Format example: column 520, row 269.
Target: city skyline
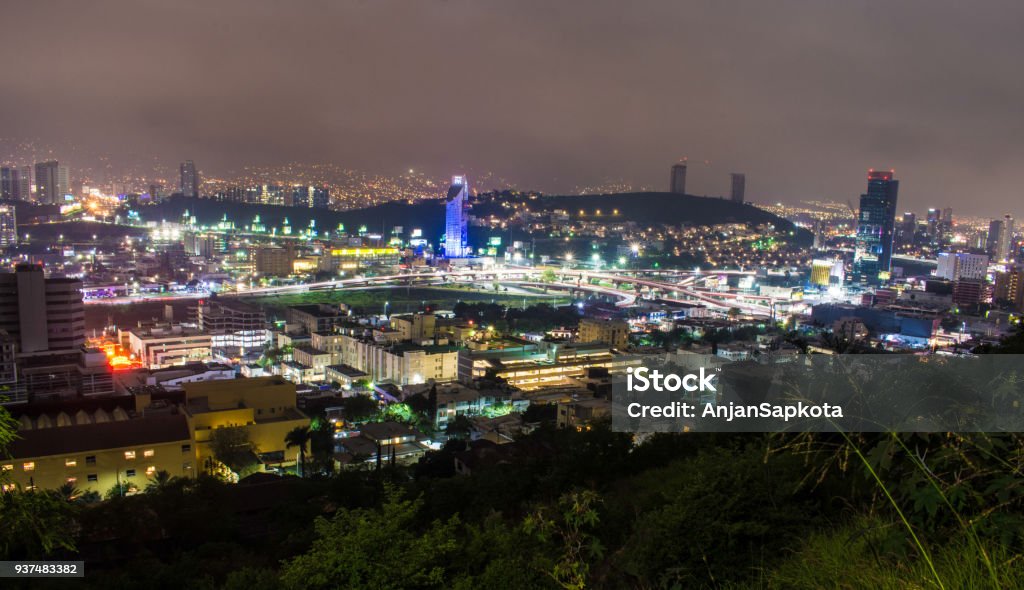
column 488, row 294
column 790, row 101
column 421, row 185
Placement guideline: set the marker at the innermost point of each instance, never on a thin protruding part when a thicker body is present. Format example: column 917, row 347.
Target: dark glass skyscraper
column 873, row 253
column 907, row 229
column 739, row 186
column 677, row 184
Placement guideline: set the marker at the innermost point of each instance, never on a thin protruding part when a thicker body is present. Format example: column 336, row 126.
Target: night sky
column 801, row 96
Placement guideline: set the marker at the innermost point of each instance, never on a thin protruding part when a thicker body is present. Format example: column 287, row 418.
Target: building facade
column 10, row 184
column 8, row 225
column 954, row 266
column 45, row 319
column 126, row 446
column 98, row 452
column 1009, row 288
column 313, row 197
column 873, row 249
column 273, row 261
column 400, row 363
column 164, row 346
column 613, row 333
column 234, row 326
column 52, row 182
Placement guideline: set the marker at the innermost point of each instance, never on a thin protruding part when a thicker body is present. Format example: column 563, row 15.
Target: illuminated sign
column 362, row 252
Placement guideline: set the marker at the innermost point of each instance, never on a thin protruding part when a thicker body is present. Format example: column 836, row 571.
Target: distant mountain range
column 429, row 215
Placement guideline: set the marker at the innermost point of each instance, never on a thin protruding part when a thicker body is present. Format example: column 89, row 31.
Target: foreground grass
column 862, row 555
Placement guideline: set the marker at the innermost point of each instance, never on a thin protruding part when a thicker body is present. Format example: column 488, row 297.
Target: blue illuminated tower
column 872, row 259
column 456, row 219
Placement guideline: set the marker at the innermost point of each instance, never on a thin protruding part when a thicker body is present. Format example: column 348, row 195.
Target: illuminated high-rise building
column 45, row 318
column 189, row 179
column 314, row 197
column 10, row 183
column 156, row 191
column 1006, row 241
column 739, row 186
column 456, row 219
column 946, row 225
column 27, row 176
column 995, row 233
column 1009, row 287
column 51, row 183
column 1000, row 238
column 907, row 229
column 269, row 194
column 934, row 223
column 8, row 225
column 819, row 234
column 677, row 183
column 875, row 226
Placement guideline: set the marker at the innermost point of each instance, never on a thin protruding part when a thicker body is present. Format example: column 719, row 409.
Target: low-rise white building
column 164, row 346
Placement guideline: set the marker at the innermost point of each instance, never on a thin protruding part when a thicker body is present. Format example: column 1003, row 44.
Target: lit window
column 148, row 453
column 8, row 467
column 8, row 487
column 151, row 470
column 30, row 466
column 70, row 463
column 72, row 479
column 130, row 455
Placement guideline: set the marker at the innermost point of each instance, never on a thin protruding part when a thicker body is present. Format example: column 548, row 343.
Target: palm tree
column 69, row 492
column 161, row 481
column 321, row 444
column 298, row 437
column 460, row 427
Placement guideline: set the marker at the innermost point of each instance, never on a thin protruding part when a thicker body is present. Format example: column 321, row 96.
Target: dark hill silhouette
column 429, row 215
column 653, row 207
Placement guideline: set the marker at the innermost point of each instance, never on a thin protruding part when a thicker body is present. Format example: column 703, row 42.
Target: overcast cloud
column 801, row 96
